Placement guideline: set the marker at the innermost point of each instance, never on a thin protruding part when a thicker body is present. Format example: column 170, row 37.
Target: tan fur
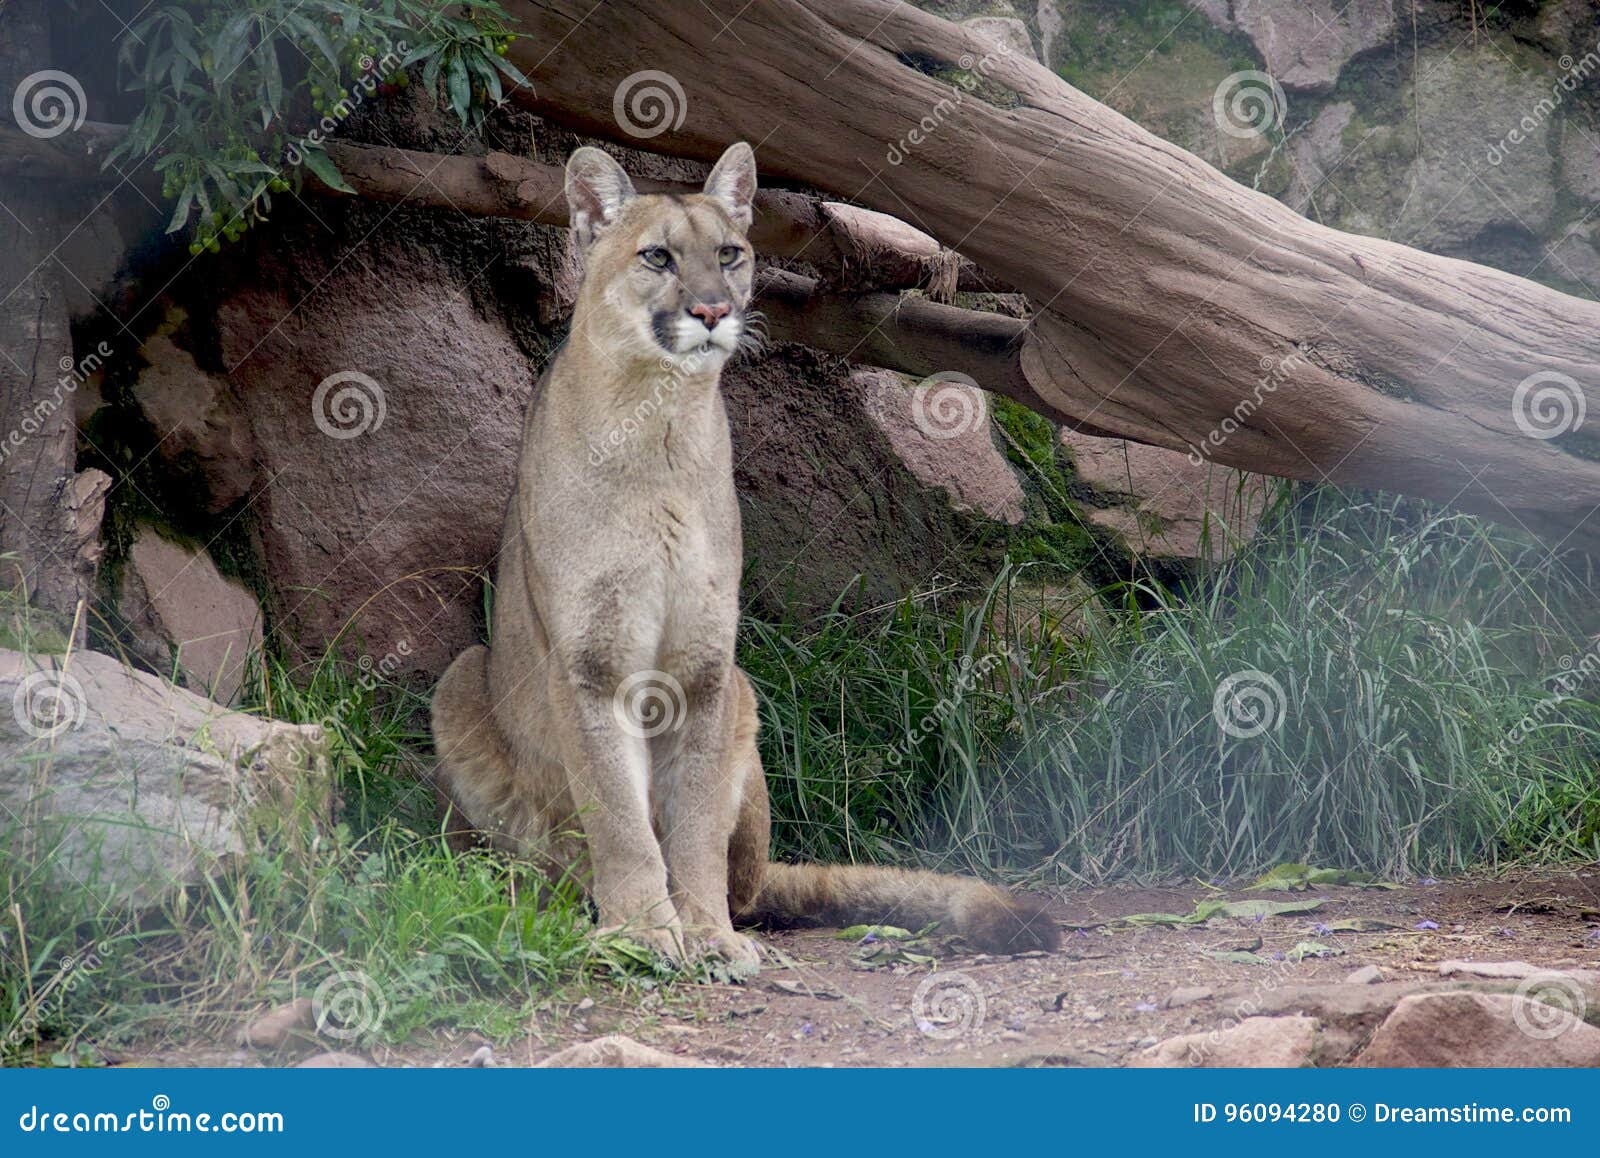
column 621, row 556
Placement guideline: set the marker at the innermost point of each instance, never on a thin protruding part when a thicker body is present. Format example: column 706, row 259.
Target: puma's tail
column 989, row 917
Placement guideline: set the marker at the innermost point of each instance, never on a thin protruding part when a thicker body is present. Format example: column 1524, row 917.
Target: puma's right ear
column 732, row 182
column 597, row 189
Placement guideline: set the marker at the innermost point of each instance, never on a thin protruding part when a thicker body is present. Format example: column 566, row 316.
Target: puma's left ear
column 597, row 188
column 733, row 182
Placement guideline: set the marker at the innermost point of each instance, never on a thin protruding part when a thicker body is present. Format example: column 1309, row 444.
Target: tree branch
column 855, row 249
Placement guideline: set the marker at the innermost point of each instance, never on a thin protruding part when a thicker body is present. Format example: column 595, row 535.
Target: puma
column 606, row 731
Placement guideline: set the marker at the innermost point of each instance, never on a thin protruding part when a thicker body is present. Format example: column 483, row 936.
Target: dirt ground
column 1107, row 994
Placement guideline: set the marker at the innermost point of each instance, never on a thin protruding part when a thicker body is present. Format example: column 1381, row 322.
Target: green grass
column 1067, row 738
column 406, row 934
column 1406, row 645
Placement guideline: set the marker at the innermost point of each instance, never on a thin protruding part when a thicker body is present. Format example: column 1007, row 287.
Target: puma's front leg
column 608, row 773
column 697, row 805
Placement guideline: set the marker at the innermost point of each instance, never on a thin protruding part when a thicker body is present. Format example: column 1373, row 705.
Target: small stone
column 272, row 1029
column 586, row 1003
column 1366, row 975
column 613, row 1052
column 335, row 1060
column 1256, row 1042
column 1499, row 970
column 1093, row 1014
column 1188, row 995
column 1468, row 1029
column 481, row 1058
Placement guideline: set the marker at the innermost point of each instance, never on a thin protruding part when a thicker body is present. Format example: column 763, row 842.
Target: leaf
column 1206, row 910
column 883, row 932
column 460, row 87
column 1256, row 909
column 1140, row 920
column 1311, row 949
column 1296, row 877
column 322, row 166
column 1292, row 877
column 1357, row 925
column 180, row 214
column 510, row 70
column 1238, row 956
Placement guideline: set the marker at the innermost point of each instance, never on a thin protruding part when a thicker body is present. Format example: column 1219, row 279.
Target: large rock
column 1305, row 43
column 1162, row 505
column 614, row 1051
column 183, row 617
column 1470, row 1029
column 838, row 486
column 1007, row 32
column 385, row 408
column 1255, row 1043
column 202, row 435
column 1472, row 176
column 941, row 433
column 116, row 782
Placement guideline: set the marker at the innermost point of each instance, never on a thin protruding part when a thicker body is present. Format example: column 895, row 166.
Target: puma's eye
column 729, row 254
column 656, row 257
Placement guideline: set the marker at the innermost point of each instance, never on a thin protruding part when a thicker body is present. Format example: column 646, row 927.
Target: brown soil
column 1096, row 1002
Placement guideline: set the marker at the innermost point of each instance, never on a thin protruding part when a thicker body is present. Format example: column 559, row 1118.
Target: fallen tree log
column 854, row 249
column 1176, row 307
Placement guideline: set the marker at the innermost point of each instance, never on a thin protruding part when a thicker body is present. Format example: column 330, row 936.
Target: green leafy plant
column 240, row 95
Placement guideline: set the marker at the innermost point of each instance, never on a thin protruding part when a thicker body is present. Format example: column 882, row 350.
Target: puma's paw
column 740, row 955
column 665, row 943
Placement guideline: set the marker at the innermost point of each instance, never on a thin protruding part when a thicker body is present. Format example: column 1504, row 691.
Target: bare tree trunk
column 1175, row 307
column 49, row 515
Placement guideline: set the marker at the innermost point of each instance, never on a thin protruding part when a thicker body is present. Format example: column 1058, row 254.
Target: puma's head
column 664, row 273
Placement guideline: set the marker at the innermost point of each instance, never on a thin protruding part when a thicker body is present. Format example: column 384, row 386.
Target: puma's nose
column 711, row 313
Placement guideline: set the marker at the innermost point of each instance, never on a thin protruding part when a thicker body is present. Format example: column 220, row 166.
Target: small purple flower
column 1422, row 926
column 805, row 1030
column 1508, row 932
column 1594, row 934
column 1144, row 1007
column 1082, row 932
column 1427, row 881
column 1277, row 955
column 1322, row 928
column 869, row 938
